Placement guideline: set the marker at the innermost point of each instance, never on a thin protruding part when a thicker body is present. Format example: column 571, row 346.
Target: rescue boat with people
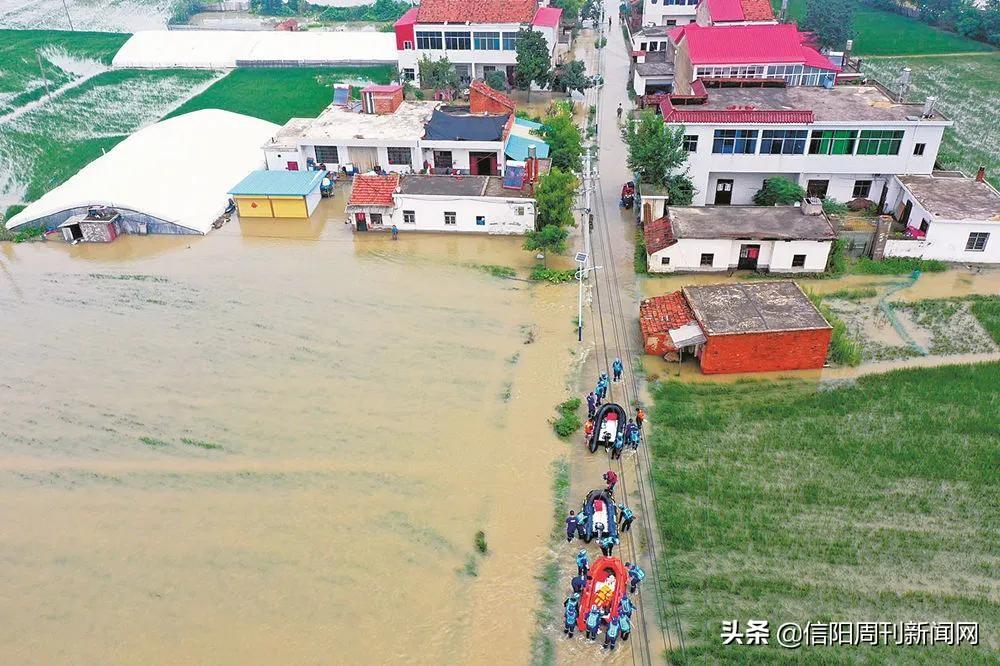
column 610, row 420
column 599, row 516
column 606, row 588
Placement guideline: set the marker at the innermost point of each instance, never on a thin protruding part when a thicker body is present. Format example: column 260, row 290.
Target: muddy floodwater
column 275, row 445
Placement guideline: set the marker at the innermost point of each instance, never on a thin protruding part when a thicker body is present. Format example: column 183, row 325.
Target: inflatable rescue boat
column 606, row 588
column 610, row 420
column 599, row 515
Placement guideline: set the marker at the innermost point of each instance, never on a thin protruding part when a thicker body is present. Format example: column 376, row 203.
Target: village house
column 844, row 143
column 742, row 327
column 778, row 239
column 285, row 194
column 668, row 12
column 371, row 204
column 654, row 35
column 476, row 36
column 470, row 139
column 946, row 216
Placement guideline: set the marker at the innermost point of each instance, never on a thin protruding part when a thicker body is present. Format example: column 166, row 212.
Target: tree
column 533, row 61
column 548, row 239
column 565, row 142
column 571, row 8
column 830, row 21
column 680, row 190
column 497, row 80
column 571, row 76
column 654, row 149
column 554, row 199
column 779, row 191
column 438, row 74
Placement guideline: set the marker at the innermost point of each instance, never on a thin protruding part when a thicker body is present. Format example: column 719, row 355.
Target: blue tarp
column 279, row 183
column 448, row 127
column 517, row 147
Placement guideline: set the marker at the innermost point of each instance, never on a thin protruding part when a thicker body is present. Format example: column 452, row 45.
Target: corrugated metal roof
column 547, row 16
column 749, row 44
column 517, row 147
column 279, row 183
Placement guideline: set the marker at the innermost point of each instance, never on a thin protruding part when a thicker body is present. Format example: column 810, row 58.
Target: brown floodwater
column 375, row 405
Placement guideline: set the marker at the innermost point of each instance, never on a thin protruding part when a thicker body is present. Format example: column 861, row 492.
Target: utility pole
column 42, row 70
column 67, row 15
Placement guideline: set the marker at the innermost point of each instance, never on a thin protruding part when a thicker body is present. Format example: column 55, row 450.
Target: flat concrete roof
column 750, row 222
column 753, row 307
column 955, row 197
column 840, row 103
column 657, row 63
column 336, row 123
column 654, row 31
column 459, row 186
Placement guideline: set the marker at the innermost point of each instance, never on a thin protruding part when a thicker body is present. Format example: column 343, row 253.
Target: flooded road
column 275, row 445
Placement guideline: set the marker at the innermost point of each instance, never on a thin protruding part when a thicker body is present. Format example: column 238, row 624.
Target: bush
column 182, row 11
column 568, row 422
column 553, row 275
column 844, row 350
column 779, row 191
column 26, row 234
column 481, row 542
column 897, row 266
column 496, row 270
column 834, row 207
column 639, row 260
column 838, row 257
column 497, row 80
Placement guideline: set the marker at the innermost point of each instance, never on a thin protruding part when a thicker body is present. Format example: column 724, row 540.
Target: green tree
column 654, row 149
column 779, row 191
column 830, row 21
column 571, row 8
column 533, row 61
column 497, row 80
column 554, row 199
column 680, row 190
column 571, row 76
column 438, row 74
column 548, row 239
column 564, row 139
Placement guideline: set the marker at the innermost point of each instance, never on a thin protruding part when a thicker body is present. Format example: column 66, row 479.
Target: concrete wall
column 460, row 155
column 501, row 215
column 654, row 12
column 946, row 241
column 775, row 256
column 765, row 352
column 278, row 159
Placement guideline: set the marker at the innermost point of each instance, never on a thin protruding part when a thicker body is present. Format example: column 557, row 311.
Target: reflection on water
column 274, row 445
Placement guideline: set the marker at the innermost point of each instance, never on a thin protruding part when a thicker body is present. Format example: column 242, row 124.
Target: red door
column 293, row 166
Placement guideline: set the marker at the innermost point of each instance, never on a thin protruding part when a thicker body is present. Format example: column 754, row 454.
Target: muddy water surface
column 274, row 445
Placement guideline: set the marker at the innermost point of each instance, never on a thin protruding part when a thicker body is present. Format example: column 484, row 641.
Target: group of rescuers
column 632, row 432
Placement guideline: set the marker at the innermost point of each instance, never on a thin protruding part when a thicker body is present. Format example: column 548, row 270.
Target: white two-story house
column 846, row 142
column 668, row 12
column 477, row 36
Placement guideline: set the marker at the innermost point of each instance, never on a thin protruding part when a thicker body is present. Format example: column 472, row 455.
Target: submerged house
column 740, row 327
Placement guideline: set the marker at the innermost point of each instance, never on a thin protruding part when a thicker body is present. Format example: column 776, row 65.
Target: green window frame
column 832, row 142
column 880, row 142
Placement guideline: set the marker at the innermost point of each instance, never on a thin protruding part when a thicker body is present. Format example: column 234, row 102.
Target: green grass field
column 870, row 500
column 279, row 94
column 878, row 32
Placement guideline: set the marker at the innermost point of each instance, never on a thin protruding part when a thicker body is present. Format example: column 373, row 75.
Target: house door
column 881, row 199
column 363, row 159
column 510, row 74
column 361, row 221
column 293, row 166
column 905, row 217
column 483, row 164
column 748, row 257
column 723, row 192
column 442, row 159
column 817, row 188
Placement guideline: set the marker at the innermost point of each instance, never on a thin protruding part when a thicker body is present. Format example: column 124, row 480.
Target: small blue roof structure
column 530, row 124
column 517, row 147
column 279, row 183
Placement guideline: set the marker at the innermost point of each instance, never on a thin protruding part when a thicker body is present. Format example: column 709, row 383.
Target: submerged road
column 611, row 330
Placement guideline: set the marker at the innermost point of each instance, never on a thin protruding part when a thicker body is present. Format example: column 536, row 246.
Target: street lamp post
column 581, row 259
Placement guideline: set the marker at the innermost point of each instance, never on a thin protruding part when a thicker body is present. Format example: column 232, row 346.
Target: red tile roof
column 547, row 16
column 373, row 190
column 660, row 314
column 694, row 114
column 383, row 88
column 749, row 44
column 757, row 10
column 659, row 235
column 740, row 10
column 476, row 11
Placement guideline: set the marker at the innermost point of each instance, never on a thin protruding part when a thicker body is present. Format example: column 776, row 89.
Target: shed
column 98, row 225
column 665, row 321
column 278, row 193
column 371, row 204
column 758, row 327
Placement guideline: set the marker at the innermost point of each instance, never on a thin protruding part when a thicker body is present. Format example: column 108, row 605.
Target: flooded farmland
column 275, row 445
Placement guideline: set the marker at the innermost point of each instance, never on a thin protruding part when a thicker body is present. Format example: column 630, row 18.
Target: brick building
column 750, row 327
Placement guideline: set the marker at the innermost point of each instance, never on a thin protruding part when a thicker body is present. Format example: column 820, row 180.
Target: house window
column 880, row 142
column 924, row 225
column 409, row 217
column 407, row 46
column 375, row 218
column 409, row 74
column 327, row 155
column 429, row 40
column 707, row 259
column 918, row 148
column 690, row 143
column 442, row 159
column 654, row 46
column 832, row 142
column 798, row 261
column 671, row 22
column 642, row 46
column 510, row 41
column 862, row 188
column 450, row 217
column 977, row 241
column 480, row 220
column 783, row 142
column 735, row 141
column 664, row 261
column 487, row 41
column 457, row 41
column 400, row 156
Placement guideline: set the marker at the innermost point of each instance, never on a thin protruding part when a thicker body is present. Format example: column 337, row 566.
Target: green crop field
column 279, row 94
column 874, row 499
column 968, row 94
column 878, row 32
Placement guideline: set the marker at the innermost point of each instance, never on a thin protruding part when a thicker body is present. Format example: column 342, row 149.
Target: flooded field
column 274, row 445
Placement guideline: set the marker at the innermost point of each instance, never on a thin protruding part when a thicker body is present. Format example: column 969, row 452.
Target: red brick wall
column 480, row 102
column 387, row 102
column 764, row 352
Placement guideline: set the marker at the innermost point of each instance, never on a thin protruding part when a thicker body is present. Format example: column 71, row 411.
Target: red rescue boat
column 607, row 587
